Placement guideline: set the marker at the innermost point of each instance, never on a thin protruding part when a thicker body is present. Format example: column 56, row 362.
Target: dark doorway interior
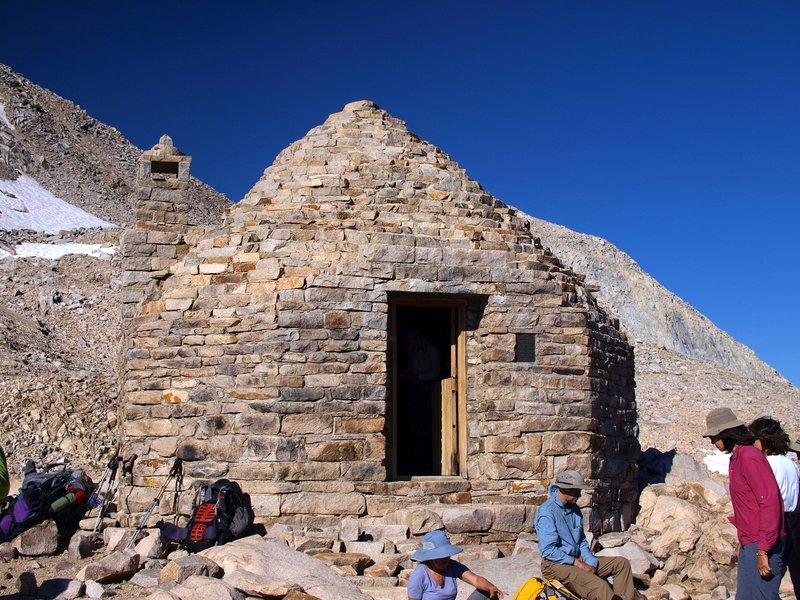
column 424, row 353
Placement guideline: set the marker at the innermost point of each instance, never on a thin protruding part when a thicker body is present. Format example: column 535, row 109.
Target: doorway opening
column 428, row 370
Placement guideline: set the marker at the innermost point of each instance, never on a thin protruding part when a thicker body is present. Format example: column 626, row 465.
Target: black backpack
column 221, row 512
column 61, row 495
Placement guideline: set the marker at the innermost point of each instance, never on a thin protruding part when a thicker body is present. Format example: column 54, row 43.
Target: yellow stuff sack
column 544, row 589
column 530, row 590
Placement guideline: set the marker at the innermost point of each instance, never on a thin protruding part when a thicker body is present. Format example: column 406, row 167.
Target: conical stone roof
column 363, row 169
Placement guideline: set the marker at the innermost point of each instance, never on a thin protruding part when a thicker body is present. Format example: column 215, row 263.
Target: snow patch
column 4, row 118
column 718, row 462
column 9, row 202
column 24, row 204
column 56, row 251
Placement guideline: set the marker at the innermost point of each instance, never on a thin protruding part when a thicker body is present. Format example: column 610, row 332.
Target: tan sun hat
column 719, row 420
column 570, row 480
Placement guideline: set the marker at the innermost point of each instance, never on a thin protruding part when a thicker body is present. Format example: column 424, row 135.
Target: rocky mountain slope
column 60, row 328
column 648, row 312
column 675, row 392
column 76, row 157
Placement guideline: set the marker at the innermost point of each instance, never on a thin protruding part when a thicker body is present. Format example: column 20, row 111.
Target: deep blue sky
column 670, row 128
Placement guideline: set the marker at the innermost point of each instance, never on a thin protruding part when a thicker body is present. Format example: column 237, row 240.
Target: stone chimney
column 157, row 239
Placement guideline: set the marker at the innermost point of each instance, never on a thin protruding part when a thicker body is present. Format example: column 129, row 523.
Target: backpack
column 544, row 589
column 60, row 495
column 221, row 512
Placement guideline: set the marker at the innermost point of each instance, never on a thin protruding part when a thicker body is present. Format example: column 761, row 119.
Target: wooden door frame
column 458, row 368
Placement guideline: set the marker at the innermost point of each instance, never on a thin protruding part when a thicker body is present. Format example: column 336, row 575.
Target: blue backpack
column 60, row 495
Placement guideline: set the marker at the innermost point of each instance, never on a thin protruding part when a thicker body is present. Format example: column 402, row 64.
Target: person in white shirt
column 774, row 442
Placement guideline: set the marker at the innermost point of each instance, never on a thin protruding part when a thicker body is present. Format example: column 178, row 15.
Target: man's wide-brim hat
column 570, row 480
column 720, row 419
column 435, row 545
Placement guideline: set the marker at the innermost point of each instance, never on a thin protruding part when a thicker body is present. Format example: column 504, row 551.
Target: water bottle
column 63, row 503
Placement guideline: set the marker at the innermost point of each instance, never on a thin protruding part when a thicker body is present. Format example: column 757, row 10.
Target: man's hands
column 585, row 567
column 762, row 563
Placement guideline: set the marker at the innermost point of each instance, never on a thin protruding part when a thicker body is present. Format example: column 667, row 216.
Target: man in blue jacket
column 565, row 549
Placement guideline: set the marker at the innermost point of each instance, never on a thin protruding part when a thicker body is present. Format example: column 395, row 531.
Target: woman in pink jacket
column 757, row 507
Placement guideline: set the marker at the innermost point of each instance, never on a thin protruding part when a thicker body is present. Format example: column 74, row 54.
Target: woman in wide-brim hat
column 757, row 507
column 435, row 578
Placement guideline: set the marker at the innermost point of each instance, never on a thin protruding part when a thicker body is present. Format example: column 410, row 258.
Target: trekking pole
column 175, row 471
column 111, row 466
column 105, row 504
column 113, row 487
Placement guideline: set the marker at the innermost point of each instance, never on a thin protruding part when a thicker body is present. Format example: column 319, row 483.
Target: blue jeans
column 749, row 584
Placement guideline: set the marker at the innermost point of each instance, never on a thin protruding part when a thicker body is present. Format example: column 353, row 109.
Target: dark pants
column 792, row 553
column 749, row 583
column 594, row 587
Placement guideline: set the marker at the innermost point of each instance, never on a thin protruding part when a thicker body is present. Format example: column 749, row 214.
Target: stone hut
column 369, row 330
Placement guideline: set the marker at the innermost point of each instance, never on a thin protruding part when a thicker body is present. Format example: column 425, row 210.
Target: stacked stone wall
column 616, row 447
